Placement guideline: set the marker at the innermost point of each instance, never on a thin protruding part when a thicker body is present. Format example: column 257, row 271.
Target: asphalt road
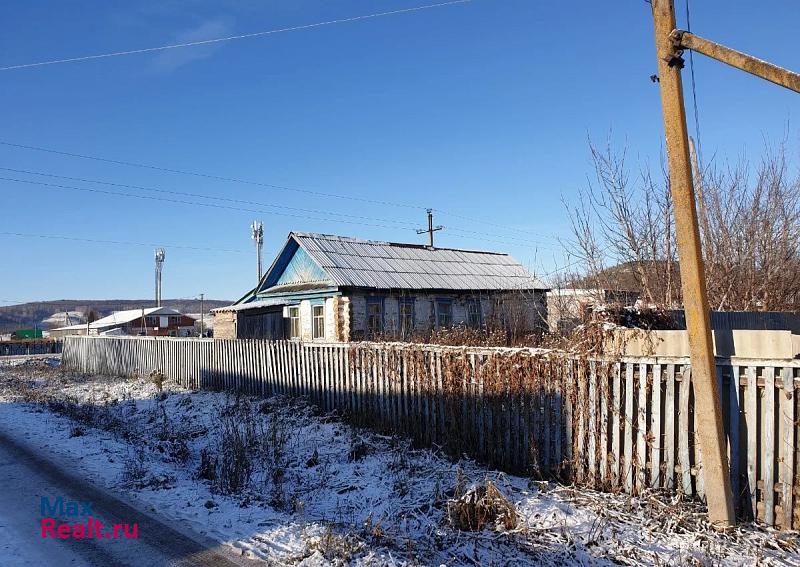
column 26, row 476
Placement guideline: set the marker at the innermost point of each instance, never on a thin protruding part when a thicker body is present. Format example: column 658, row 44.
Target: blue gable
column 293, row 266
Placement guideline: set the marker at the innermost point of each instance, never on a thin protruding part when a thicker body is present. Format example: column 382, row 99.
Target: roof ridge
column 322, row 236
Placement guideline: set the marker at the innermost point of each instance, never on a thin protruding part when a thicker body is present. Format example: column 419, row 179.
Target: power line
column 496, row 225
column 331, row 216
column 260, row 184
column 185, row 202
column 214, row 177
column 119, row 242
column 205, row 196
column 694, row 87
column 230, row 38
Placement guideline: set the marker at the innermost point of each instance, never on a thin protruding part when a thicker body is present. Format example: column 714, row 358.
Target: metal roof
column 387, row 265
column 122, row 317
column 278, row 301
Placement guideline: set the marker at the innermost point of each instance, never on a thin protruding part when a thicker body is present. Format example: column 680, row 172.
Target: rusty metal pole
column 708, row 414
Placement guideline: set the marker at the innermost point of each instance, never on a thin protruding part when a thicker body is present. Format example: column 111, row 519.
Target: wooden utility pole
column 708, row 414
column 670, row 44
column 431, row 229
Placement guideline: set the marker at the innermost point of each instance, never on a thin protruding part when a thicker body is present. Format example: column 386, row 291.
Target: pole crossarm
column 753, row 65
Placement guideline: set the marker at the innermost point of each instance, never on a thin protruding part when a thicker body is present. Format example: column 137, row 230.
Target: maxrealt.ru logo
column 79, row 523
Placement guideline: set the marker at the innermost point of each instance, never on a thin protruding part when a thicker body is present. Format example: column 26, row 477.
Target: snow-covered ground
column 314, row 491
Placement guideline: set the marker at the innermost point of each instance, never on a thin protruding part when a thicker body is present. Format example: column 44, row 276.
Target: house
column 336, row 288
column 152, row 322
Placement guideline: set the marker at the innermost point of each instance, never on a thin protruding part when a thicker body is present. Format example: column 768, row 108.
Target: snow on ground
column 315, row 491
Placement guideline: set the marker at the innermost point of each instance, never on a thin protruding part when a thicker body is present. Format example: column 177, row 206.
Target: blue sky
column 480, row 110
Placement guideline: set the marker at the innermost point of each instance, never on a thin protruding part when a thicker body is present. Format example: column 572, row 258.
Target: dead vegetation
column 480, row 507
column 749, row 215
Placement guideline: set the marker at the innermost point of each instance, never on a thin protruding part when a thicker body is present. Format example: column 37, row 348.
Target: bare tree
column 750, row 226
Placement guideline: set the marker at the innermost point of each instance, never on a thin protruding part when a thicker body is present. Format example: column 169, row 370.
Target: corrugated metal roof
column 273, row 302
column 122, row 317
column 387, row 265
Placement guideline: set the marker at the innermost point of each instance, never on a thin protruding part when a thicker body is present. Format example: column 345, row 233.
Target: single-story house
column 336, row 288
column 151, row 322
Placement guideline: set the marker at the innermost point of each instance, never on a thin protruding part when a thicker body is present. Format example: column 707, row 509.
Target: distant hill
column 27, row 315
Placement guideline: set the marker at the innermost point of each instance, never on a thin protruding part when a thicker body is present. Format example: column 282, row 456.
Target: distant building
column 151, row 322
column 335, row 288
column 568, row 308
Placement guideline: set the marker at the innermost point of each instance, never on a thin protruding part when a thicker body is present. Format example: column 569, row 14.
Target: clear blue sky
column 481, row 110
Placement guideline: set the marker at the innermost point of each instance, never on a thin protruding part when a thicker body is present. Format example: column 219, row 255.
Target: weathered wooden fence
column 31, row 346
column 625, row 425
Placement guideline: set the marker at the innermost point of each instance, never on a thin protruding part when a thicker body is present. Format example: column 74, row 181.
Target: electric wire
column 214, row 177
column 119, row 242
column 694, row 89
column 229, row 38
column 185, row 202
column 271, row 186
column 210, row 197
column 332, row 214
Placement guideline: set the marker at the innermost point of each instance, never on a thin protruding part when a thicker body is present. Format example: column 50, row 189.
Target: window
column 294, row 322
column 444, row 313
column 474, row 313
column 374, row 316
column 318, row 321
column 406, row 317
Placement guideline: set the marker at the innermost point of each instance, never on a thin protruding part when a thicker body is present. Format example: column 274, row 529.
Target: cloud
column 171, row 59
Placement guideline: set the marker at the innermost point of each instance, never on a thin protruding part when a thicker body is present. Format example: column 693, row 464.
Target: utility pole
column 670, row 43
column 431, row 229
column 202, row 315
column 708, row 414
column 257, row 229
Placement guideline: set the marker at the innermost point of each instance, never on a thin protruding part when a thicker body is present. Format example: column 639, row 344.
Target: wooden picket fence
column 626, row 424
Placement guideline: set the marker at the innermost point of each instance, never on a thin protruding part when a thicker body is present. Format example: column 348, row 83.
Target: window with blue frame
column 444, row 313
column 374, row 316
column 406, row 316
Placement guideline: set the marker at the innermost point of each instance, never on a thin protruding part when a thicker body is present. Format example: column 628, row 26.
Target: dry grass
column 481, row 507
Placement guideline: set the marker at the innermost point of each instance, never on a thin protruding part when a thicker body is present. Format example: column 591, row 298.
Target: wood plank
column 604, row 397
column 592, row 419
column 655, row 428
column 641, row 430
column 751, row 404
column 628, row 468
column 683, row 431
column 669, row 427
column 735, row 416
column 616, row 426
column 768, row 449
column 787, row 411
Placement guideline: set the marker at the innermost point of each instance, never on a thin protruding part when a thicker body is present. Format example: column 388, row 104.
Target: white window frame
column 314, row 320
column 294, row 318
